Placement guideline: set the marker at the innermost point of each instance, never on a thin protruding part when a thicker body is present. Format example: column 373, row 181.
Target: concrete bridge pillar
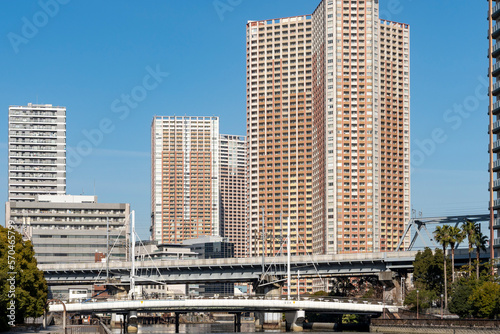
column 394, row 286
column 269, row 286
column 177, row 322
column 132, row 322
column 295, row 321
column 237, row 322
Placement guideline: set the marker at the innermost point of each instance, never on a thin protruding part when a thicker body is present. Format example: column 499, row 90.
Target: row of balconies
column 33, row 121
column 34, row 155
column 27, row 168
column 33, row 162
column 34, row 182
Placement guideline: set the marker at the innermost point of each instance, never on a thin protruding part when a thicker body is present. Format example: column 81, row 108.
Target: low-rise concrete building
column 66, row 228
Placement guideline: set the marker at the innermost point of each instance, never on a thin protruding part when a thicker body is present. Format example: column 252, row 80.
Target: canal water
column 204, row 328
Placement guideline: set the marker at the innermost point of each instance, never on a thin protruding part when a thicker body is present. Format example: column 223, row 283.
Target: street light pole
column 417, row 304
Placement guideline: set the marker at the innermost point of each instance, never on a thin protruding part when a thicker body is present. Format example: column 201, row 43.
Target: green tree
column 479, row 242
column 485, row 300
column 456, row 237
column 460, row 303
column 428, row 270
column 469, row 229
column 425, row 298
column 443, row 237
column 18, row 265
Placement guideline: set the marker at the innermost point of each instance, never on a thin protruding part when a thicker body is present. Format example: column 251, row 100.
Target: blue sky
column 89, row 55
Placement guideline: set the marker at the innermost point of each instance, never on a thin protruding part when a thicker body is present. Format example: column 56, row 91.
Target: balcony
column 496, row 184
column 496, row 204
column 496, row 223
column 495, row 13
column 496, row 31
column 496, row 69
column 496, row 127
column 496, row 88
column 496, row 107
column 496, row 146
column 496, row 242
column 496, row 50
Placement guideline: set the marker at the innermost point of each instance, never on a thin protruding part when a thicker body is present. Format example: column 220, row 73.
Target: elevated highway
column 237, row 269
column 228, row 270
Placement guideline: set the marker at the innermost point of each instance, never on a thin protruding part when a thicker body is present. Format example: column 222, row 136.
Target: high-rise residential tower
column 494, row 126
column 185, row 178
column 37, row 151
column 328, row 128
column 279, row 132
column 233, row 192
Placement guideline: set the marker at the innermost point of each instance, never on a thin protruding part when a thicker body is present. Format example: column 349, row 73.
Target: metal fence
column 464, row 323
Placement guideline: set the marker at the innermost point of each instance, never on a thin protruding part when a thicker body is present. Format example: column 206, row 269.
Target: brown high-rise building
column 185, row 178
column 279, row 131
column 328, row 129
column 233, row 192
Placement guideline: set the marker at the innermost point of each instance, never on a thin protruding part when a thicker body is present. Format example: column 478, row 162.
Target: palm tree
column 479, row 241
column 456, row 237
column 442, row 235
column 468, row 229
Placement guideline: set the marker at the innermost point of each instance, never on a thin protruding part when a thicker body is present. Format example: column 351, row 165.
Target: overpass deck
column 229, row 269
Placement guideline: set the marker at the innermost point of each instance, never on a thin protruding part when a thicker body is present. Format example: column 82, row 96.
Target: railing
column 496, row 66
column 494, row 9
column 495, row 29
column 327, row 299
column 495, row 47
column 469, row 323
column 496, row 85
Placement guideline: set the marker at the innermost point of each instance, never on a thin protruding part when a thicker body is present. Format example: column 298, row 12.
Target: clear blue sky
column 87, row 54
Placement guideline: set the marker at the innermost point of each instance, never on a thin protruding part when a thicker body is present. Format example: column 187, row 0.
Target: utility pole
column 132, row 254
column 107, row 250
column 288, row 258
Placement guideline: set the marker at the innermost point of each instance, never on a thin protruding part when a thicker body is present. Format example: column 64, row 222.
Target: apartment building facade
column 185, row 178
column 233, row 192
column 37, row 151
column 328, row 129
column 279, row 132
column 494, row 125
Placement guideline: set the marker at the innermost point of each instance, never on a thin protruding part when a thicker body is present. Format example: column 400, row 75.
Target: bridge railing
column 247, row 296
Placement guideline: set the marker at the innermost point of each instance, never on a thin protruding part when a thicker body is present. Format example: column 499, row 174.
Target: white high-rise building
column 37, row 151
column 185, row 178
column 234, row 195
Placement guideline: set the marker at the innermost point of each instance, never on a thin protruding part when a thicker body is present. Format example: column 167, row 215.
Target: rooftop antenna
column 94, row 187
